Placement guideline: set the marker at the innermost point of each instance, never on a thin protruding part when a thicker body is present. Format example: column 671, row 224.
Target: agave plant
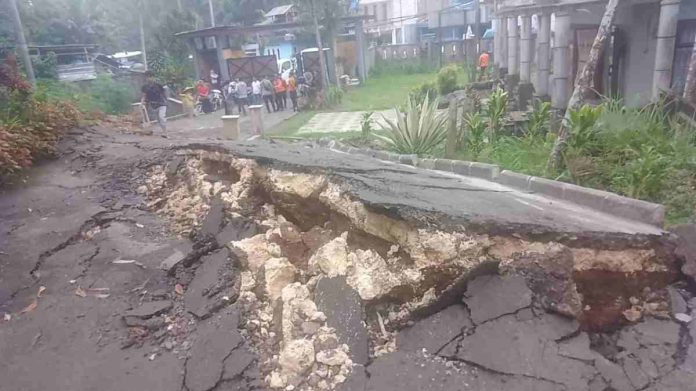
column 418, row 128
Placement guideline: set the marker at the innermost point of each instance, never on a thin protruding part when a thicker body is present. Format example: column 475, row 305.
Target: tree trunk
column 322, row 62
column 22, row 42
column 583, row 85
column 690, row 86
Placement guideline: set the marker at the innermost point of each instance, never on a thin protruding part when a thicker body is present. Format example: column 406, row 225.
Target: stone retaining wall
column 628, row 208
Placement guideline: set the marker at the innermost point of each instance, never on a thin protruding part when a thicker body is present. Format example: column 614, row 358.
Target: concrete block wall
column 610, row 203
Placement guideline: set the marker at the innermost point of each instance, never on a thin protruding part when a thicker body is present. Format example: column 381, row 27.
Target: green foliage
column 424, row 90
column 170, row 71
column 419, row 129
column 447, row 79
column 495, row 111
column 407, row 67
column 582, row 127
column 45, row 67
column 104, row 95
column 366, row 124
column 334, row 96
column 643, row 175
column 539, row 120
column 475, row 134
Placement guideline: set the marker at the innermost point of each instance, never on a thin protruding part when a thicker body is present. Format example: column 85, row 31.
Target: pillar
column 543, row 40
column 664, row 52
column 513, row 64
column 222, row 63
column 561, row 61
column 526, row 49
column 230, row 127
column 360, row 41
column 496, row 42
column 503, row 45
column 256, row 120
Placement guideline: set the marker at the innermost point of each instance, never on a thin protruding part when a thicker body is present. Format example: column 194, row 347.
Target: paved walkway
column 209, row 126
column 343, row 122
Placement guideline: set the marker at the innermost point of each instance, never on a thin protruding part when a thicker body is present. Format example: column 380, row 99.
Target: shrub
column 45, row 67
column 475, row 134
column 495, row 111
column 112, row 97
column 366, row 124
column 447, row 79
column 539, row 120
column 419, row 129
column 426, row 89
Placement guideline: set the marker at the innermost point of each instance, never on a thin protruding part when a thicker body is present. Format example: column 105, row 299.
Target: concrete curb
column 610, row 203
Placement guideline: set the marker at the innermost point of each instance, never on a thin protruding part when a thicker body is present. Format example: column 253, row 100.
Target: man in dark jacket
column 154, row 97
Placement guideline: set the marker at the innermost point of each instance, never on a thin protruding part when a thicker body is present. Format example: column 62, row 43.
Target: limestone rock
column 295, row 307
column 278, row 273
column 331, row 259
column 491, row 296
column 296, row 358
column 255, row 251
column 371, row 277
column 333, row 357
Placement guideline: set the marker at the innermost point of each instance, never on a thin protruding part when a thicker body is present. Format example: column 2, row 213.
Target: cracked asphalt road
column 66, row 224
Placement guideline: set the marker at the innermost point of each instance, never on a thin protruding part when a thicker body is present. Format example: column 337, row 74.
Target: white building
column 393, row 21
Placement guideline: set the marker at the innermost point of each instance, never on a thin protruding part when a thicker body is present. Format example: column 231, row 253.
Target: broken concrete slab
column 411, row 371
column 217, row 339
column 172, row 261
column 345, row 312
column 527, row 348
column 612, row 374
column 491, row 296
column 215, row 285
column 149, row 309
column 237, row 362
column 356, row 381
column 212, row 224
column 435, row 331
column 237, row 228
column 676, row 300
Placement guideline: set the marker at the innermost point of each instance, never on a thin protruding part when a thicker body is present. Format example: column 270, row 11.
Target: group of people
column 274, row 94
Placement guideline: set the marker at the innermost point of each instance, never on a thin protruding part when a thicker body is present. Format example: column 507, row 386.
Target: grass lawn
column 377, row 93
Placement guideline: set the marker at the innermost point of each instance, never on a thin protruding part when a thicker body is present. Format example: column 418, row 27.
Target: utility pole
column 477, row 25
column 212, row 13
column 142, row 33
column 22, row 42
column 320, row 48
column 178, row 6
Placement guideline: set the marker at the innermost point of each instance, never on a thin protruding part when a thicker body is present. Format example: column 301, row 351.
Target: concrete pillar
column 503, row 45
column 543, row 39
column 222, row 63
column 513, row 63
column 561, row 61
column 230, row 127
column 256, row 119
column 496, row 42
column 664, row 53
column 360, row 41
column 196, row 65
column 526, row 49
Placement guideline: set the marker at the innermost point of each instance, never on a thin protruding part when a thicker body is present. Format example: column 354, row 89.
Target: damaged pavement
column 135, row 262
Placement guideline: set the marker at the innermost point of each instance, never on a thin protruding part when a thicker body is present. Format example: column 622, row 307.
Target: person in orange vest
column 484, row 58
column 280, row 88
column 292, row 90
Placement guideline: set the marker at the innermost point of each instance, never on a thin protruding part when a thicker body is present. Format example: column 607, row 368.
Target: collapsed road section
column 351, row 273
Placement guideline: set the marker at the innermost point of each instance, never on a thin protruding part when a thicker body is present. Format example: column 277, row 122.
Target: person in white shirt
column 242, row 96
column 256, row 91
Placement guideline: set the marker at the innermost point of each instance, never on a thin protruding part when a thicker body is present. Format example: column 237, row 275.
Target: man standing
column 292, row 90
column 242, row 96
column 154, row 97
column 280, row 88
column 256, row 91
column 483, row 64
column 267, row 93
